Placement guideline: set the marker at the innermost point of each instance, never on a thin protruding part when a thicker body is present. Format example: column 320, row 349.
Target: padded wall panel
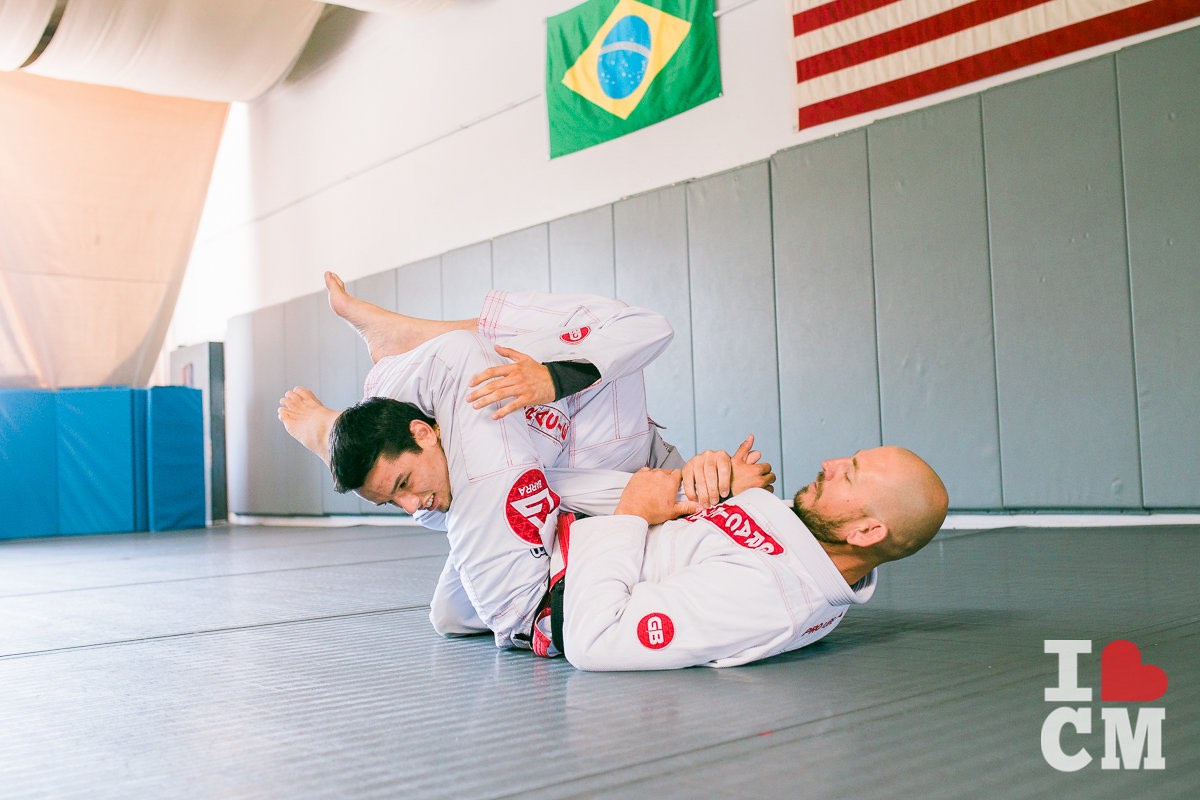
column 1159, row 84
column 937, row 365
column 257, row 443
column 733, row 312
column 175, row 458
column 650, row 240
column 379, row 289
column 419, row 289
column 829, row 392
column 28, row 463
column 305, row 472
column 140, row 404
column 1068, row 432
column 521, row 260
column 202, row 366
column 581, row 253
column 338, row 347
column 95, row 450
column 466, row 279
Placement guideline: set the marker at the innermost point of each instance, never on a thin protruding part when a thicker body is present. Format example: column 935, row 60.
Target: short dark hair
column 378, row 426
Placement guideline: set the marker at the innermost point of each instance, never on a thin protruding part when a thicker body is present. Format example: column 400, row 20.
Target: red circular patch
column 530, row 503
column 656, row 631
column 576, row 336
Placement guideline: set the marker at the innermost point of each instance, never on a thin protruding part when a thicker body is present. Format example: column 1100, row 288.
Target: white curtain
column 110, row 116
column 100, row 194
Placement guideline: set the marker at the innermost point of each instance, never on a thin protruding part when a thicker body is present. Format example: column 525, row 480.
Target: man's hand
column 748, row 472
column 527, row 381
column 714, row 475
column 652, row 495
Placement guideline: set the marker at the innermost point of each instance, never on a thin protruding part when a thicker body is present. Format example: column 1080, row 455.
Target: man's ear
column 866, row 532
column 423, row 433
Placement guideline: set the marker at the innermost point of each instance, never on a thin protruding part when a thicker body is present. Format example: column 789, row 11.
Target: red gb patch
column 656, row 631
column 530, row 502
column 741, row 527
column 576, row 336
column 548, row 421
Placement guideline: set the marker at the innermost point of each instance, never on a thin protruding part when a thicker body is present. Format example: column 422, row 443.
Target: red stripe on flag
column 830, row 13
column 1116, row 25
column 911, row 35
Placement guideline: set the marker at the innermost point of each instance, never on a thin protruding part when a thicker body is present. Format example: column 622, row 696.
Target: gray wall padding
column 1158, row 84
column 734, row 359
column 650, row 234
column 521, row 260
column 1064, row 361
column 581, row 253
column 829, row 392
column 937, row 361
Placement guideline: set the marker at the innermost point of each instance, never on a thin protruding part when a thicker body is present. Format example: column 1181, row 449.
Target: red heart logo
column 1125, row 679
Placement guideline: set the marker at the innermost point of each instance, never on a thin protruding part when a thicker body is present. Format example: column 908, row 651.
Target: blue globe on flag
column 624, row 56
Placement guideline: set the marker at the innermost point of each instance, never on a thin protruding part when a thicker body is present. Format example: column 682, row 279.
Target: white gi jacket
column 738, row 582
column 503, row 514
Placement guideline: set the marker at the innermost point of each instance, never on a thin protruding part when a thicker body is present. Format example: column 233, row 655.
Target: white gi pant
column 502, row 518
column 739, row 582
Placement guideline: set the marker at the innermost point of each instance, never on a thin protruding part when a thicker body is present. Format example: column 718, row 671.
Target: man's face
column 412, row 481
column 840, row 493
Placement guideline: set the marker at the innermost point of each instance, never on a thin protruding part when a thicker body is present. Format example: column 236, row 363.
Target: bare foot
column 385, row 332
column 307, row 420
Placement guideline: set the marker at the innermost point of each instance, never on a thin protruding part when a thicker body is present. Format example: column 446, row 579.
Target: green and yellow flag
column 613, row 66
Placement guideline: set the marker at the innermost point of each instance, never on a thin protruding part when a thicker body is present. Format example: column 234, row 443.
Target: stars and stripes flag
column 854, row 56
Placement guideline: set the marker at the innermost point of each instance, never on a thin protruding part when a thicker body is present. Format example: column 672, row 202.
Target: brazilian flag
column 614, row 66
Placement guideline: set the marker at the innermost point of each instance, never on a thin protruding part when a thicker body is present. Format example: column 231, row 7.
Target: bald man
column 741, row 581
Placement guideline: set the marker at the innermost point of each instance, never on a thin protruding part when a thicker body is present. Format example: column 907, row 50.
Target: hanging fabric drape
column 100, row 195
column 110, row 116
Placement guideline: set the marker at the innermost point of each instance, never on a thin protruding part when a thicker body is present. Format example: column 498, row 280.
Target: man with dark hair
column 502, row 523
column 378, row 427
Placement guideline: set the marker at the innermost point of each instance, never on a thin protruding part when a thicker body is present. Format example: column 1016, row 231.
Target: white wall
column 401, row 136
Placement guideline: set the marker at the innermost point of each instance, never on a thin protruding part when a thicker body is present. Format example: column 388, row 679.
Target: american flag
column 854, row 56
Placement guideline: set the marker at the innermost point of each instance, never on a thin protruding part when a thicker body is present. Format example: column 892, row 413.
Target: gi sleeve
column 616, row 338
column 593, row 492
column 719, row 609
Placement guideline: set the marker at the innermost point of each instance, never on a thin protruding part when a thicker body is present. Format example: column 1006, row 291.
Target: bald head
column 885, row 502
column 908, row 497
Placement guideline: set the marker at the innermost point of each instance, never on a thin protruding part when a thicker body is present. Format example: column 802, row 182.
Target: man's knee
column 452, row 619
column 464, row 350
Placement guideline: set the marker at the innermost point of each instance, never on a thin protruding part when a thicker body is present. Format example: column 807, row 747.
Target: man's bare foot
column 307, row 420
column 385, row 332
